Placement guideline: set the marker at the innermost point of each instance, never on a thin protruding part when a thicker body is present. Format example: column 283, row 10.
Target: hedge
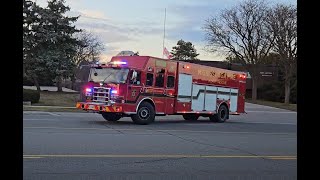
column 31, row 95
column 27, row 81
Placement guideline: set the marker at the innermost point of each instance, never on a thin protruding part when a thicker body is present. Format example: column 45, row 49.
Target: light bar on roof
column 119, row 62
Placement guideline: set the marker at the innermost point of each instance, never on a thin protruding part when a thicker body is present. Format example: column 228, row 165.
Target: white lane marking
column 40, row 112
column 161, row 130
column 156, row 156
column 209, row 124
column 53, row 114
column 43, row 119
column 268, row 123
column 285, row 112
column 31, row 157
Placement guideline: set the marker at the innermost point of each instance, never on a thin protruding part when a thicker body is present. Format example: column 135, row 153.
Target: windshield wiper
column 108, row 76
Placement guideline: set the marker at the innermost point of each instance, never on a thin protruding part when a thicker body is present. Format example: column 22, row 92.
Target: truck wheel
column 190, row 117
column 221, row 116
column 145, row 114
column 110, row 116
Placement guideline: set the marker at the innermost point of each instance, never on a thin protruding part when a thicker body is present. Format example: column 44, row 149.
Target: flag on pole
column 167, row 53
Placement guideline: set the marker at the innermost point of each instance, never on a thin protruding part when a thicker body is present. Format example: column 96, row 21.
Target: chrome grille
column 101, row 94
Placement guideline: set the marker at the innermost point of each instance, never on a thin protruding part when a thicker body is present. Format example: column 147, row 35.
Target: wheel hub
column 144, row 113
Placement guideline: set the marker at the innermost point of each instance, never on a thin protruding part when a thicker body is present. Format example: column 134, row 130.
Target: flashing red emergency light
column 242, row 76
column 88, row 89
column 186, row 67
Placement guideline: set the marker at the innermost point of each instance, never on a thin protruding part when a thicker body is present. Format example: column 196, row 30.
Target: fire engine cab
column 142, row 87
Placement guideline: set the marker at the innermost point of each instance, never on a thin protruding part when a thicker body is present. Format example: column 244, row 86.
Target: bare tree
column 241, row 32
column 282, row 23
column 88, row 50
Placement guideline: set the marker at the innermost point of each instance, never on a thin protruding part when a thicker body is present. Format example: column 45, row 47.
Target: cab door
column 170, row 79
column 134, row 87
column 159, row 90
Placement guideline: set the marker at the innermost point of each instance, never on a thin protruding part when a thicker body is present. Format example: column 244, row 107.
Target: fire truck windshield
column 108, row 75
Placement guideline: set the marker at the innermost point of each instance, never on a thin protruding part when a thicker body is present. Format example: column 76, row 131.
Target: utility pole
column 164, row 31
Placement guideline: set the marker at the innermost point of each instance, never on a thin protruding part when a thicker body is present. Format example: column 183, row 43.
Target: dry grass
column 58, row 99
column 291, row 107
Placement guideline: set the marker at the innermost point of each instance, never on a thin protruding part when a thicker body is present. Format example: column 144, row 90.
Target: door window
column 149, row 79
column 170, row 82
column 160, row 78
column 135, row 78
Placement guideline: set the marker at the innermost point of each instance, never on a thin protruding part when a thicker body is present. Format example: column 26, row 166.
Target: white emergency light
column 119, row 62
column 114, row 92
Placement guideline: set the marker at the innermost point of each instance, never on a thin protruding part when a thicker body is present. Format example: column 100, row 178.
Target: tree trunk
column 287, row 92
column 73, row 80
column 36, row 83
column 59, row 84
column 254, row 88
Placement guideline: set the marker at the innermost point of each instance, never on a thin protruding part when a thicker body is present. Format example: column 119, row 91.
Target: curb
column 28, row 103
column 57, row 107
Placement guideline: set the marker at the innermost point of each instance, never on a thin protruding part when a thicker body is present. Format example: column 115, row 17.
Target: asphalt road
column 259, row 145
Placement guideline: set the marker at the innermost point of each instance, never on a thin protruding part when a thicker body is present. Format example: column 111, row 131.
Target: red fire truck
column 142, row 87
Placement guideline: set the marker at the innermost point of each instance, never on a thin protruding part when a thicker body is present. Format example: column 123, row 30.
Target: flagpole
column 164, row 31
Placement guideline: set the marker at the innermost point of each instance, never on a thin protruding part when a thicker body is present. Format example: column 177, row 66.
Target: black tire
column 190, row 117
column 145, row 114
column 221, row 116
column 110, row 116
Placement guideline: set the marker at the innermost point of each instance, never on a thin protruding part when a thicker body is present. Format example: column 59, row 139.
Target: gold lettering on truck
column 206, row 73
column 234, row 76
column 223, row 75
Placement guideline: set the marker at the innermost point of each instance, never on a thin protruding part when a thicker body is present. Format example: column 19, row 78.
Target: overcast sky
column 138, row 25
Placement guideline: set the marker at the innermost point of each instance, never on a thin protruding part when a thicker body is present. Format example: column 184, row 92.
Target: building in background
column 268, row 73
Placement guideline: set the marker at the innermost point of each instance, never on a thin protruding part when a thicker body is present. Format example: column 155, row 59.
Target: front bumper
column 99, row 107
